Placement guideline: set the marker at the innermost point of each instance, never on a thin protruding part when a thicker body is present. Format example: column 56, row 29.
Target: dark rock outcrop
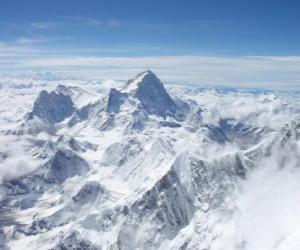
column 52, row 107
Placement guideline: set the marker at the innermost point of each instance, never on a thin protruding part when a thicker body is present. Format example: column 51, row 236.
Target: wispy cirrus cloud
column 111, row 23
column 45, row 25
column 244, row 71
column 28, row 53
column 30, row 41
column 14, row 50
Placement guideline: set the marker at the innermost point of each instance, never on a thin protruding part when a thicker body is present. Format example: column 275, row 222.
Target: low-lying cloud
column 16, row 166
column 268, row 207
column 249, row 71
column 14, row 160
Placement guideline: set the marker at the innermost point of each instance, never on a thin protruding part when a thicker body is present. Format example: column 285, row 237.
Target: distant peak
column 145, row 73
column 143, row 76
column 52, row 107
column 62, row 89
column 150, row 91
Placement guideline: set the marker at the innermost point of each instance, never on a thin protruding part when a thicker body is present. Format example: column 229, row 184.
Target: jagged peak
column 151, row 93
column 52, row 107
column 291, row 131
column 146, row 73
column 63, row 89
column 115, row 100
column 141, row 77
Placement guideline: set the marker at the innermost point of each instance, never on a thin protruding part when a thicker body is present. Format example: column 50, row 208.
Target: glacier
column 147, row 165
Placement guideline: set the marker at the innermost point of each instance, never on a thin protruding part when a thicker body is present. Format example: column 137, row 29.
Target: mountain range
column 142, row 167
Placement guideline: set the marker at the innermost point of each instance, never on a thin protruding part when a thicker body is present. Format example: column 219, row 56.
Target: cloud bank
column 14, row 159
column 268, row 206
column 249, row 71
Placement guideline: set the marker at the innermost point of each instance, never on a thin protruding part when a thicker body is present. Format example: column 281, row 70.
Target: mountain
column 150, row 91
column 140, row 167
column 132, row 104
column 115, row 100
column 52, row 107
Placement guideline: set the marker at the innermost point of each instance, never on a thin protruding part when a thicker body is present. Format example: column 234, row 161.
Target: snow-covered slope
column 148, row 166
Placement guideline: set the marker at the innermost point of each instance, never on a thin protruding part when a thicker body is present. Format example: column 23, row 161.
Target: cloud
column 45, row 25
column 111, row 23
column 90, row 21
column 13, row 50
column 234, row 71
column 17, row 162
column 27, row 53
column 264, row 110
column 30, row 41
column 114, row 23
column 268, row 213
column 16, row 167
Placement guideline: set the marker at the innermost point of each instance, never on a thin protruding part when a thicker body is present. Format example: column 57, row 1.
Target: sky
column 245, row 42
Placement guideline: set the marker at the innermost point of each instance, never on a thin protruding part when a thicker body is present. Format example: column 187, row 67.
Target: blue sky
column 76, row 32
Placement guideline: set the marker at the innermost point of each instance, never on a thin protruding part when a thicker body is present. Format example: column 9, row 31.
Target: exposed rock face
column 63, row 165
column 152, row 94
column 75, row 145
column 66, row 164
column 52, row 107
column 115, row 100
column 167, row 203
column 75, row 241
column 88, row 193
column 119, row 153
column 241, row 133
column 135, row 169
column 190, row 185
column 143, row 96
column 2, row 239
column 291, row 132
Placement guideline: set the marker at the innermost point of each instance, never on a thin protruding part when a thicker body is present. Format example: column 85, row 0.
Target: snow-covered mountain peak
column 291, row 130
column 52, row 107
column 151, row 93
column 140, row 168
column 63, row 90
column 143, row 76
column 115, row 100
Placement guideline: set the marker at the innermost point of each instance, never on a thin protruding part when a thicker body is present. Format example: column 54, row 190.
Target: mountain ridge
column 130, row 171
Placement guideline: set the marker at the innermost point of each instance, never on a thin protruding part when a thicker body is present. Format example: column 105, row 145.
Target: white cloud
column 30, row 41
column 90, row 21
column 264, row 110
column 45, row 25
column 18, row 162
column 9, row 52
column 16, row 167
column 234, row 71
column 114, row 23
column 27, row 53
column 268, row 206
column 111, row 23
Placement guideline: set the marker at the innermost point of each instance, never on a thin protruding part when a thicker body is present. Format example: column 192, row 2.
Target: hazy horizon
column 232, row 43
